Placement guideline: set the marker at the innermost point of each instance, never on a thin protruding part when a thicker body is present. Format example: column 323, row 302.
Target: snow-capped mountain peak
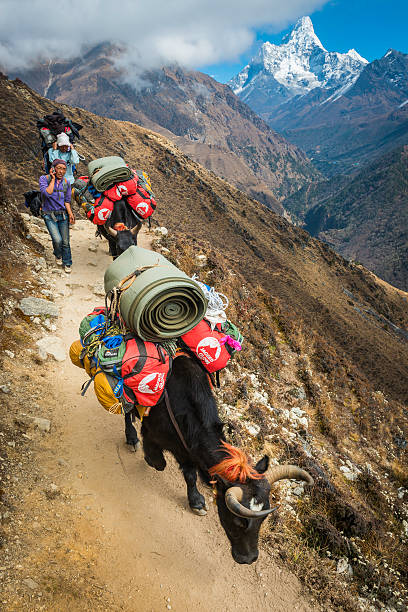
column 302, row 33
column 295, row 67
column 353, row 53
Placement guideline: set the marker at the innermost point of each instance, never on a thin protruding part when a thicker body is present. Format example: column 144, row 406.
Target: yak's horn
column 135, row 230
column 294, row 472
column 233, row 498
column 112, row 231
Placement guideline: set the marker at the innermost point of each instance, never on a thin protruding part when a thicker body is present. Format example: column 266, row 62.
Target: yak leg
column 130, row 432
column 195, row 499
column 153, row 454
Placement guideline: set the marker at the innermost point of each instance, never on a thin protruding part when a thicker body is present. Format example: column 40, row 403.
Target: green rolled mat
column 107, row 171
column 162, row 302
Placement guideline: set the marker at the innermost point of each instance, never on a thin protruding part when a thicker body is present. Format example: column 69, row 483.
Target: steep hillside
column 322, row 379
column 364, row 217
column 203, row 117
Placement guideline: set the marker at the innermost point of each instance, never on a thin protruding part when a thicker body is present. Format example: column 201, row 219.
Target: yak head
column 243, row 498
column 122, row 228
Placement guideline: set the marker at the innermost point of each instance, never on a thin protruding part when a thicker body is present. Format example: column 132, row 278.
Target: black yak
column 242, row 491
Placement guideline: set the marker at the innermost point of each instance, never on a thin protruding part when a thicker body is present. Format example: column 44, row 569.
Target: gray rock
column 9, row 353
column 161, row 230
column 53, row 346
column 344, row 567
column 93, row 248
column 30, row 583
column 299, row 392
column 33, row 307
column 50, row 326
column 62, row 462
column 98, row 289
column 5, row 388
column 25, row 216
column 43, row 425
column 42, row 263
column 201, row 260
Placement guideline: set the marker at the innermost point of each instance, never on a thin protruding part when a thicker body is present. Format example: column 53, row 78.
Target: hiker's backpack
column 50, row 126
column 213, row 347
column 33, row 201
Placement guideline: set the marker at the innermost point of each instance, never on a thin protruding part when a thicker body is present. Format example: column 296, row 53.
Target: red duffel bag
column 120, row 190
column 145, row 368
column 143, row 206
column 209, row 346
column 100, row 211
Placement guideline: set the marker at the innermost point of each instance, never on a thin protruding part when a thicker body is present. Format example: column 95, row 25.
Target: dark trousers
column 58, row 226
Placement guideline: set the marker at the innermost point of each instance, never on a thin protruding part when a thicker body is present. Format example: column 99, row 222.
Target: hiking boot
column 67, row 269
column 58, row 261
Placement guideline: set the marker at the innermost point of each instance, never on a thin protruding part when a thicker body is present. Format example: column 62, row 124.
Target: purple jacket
column 55, row 201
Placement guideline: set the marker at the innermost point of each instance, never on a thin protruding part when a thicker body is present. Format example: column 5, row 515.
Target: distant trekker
column 63, row 149
column 56, row 211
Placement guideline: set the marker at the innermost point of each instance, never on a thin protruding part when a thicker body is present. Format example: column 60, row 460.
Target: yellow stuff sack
column 103, row 384
column 103, row 387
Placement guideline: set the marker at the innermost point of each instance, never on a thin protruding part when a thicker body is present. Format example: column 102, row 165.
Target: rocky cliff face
column 203, row 117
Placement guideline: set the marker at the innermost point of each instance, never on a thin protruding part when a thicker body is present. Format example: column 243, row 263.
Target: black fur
column 195, row 410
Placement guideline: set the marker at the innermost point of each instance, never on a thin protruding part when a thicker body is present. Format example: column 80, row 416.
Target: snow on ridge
column 300, row 63
column 403, row 104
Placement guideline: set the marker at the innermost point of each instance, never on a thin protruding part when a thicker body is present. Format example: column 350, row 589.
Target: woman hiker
column 56, row 211
column 63, row 149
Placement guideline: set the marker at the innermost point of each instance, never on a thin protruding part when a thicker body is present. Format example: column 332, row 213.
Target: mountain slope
column 365, row 217
column 203, row 117
column 324, row 340
column 208, row 208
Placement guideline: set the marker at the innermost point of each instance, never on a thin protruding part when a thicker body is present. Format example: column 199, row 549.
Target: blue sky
column 369, row 26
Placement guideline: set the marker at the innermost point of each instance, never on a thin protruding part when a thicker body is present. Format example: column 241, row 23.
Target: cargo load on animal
column 117, row 199
column 155, row 313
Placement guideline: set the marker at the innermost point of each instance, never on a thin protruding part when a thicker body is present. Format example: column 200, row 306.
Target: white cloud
column 155, row 32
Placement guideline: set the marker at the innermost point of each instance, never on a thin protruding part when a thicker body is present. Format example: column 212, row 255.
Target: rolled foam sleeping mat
column 162, row 302
column 107, row 171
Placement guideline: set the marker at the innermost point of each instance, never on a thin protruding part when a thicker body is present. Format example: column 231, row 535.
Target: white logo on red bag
column 208, row 349
column 152, row 383
column 103, row 214
column 121, row 190
column 142, row 208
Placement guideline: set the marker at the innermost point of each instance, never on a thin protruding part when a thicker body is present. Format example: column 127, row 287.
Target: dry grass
column 359, row 520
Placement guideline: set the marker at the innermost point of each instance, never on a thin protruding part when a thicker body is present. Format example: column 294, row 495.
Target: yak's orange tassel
column 236, row 467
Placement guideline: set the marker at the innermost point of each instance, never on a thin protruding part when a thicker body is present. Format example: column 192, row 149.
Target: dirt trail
column 153, row 547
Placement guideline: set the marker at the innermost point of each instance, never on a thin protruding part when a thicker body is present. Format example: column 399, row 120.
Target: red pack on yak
column 137, row 192
column 99, row 211
column 213, row 347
